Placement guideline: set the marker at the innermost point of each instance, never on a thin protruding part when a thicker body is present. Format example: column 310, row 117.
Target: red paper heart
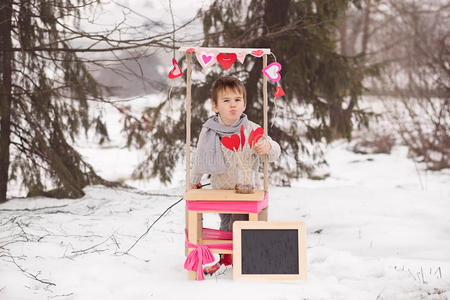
column 242, row 137
column 176, row 71
column 226, row 60
column 259, row 132
column 254, row 136
column 190, row 50
column 231, row 142
column 257, row 53
column 279, row 92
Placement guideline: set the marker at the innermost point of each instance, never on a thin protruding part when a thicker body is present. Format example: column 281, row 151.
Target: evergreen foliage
column 44, row 106
column 315, row 77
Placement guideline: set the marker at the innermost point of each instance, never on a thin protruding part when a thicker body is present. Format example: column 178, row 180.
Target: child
column 229, row 102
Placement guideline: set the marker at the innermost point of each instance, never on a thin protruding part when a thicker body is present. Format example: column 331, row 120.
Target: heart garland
column 257, row 53
column 226, row 60
column 206, row 57
column 272, row 71
column 176, row 71
column 241, row 56
column 279, row 92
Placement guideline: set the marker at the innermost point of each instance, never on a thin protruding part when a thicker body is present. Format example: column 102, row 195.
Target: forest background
column 61, row 61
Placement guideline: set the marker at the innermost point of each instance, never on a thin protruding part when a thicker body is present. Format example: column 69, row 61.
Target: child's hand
column 262, row 147
column 196, row 186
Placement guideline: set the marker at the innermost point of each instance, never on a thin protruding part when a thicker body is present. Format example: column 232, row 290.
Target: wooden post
column 188, row 120
column 188, row 132
column 266, row 165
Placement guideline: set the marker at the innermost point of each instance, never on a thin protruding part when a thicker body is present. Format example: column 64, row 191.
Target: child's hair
column 227, row 82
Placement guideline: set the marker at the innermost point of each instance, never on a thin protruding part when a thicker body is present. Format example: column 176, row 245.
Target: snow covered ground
column 377, row 228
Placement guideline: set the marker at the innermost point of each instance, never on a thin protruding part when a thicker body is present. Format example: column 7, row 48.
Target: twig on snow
column 92, row 247
column 34, row 209
column 150, row 227
column 56, row 296
column 30, row 275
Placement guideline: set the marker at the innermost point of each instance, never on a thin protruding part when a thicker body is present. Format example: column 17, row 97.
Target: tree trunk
column 342, row 27
column 5, row 94
column 366, row 24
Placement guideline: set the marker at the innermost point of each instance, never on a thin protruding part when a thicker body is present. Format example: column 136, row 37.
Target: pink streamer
column 214, row 234
column 229, row 206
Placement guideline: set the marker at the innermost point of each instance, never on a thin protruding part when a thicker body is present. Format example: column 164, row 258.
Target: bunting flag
column 206, row 57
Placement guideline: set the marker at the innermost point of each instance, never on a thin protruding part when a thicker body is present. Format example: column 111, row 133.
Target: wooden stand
column 226, row 200
column 194, row 218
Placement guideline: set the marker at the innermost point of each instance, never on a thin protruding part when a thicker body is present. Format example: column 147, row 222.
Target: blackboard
column 269, row 250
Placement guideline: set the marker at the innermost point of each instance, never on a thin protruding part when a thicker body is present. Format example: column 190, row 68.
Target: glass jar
column 246, row 179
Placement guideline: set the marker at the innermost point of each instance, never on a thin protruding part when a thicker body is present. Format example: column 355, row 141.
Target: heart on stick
column 254, row 136
column 242, row 137
column 279, row 92
column 226, row 60
column 176, row 71
column 206, row 57
column 231, row 142
column 257, row 53
column 272, row 71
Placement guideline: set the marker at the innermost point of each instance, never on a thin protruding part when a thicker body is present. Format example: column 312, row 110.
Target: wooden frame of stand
column 194, row 218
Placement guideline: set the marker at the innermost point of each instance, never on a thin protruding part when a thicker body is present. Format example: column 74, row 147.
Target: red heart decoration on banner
column 176, row 71
column 226, row 60
column 257, row 53
column 279, row 92
column 231, row 142
column 190, row 50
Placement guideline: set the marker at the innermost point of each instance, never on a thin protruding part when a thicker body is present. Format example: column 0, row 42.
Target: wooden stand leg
column 192, row 235
column 253, row 217
column 186, row 251
column 199, row 228
column 263, row 215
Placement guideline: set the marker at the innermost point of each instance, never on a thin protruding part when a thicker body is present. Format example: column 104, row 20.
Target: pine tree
column 46, row 90
column 314, row 76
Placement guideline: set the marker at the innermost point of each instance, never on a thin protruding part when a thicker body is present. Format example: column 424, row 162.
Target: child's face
column 230, row 105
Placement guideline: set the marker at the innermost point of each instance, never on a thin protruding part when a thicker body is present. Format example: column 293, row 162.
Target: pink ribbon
column 202, row 254
column 198, row 257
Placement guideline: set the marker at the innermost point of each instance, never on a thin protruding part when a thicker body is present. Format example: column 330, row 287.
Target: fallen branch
column 150, row 227
column 92, row 247
column 30, row 275
column 33, row 209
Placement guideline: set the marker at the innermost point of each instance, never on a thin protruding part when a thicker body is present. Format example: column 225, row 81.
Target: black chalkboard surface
column 269, row 250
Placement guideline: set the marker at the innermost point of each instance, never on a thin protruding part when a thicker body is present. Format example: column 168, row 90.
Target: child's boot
column 209, row 270
column 226, row 259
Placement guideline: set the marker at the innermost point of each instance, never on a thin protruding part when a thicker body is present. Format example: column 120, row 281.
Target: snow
column 377, row 228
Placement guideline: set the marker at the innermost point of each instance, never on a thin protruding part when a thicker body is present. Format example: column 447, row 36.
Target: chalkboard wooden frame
column 240, row 227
